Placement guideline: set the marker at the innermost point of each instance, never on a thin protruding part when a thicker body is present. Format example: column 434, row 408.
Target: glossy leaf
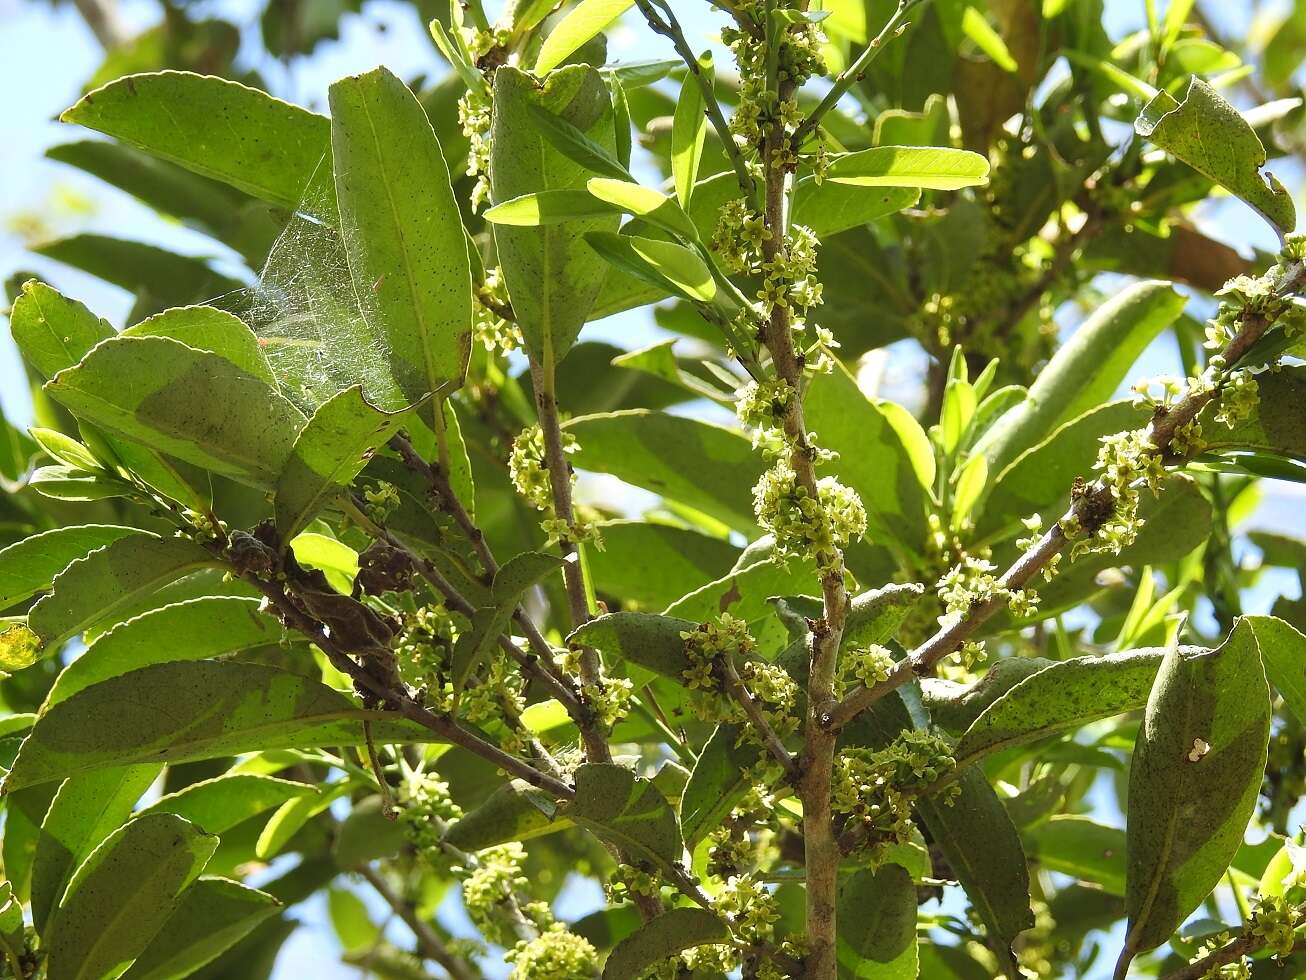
column 329, row 452
column 582, row 23
column 651, row 641
column 403, row 232
column 1208, row 134
column 52, row 331
column 514, row 811
column 644, row 202
column 1283, row 652
column 548, row 208
column 672, row 932
column 1197, row 769
column 653, row 565
column 123, row 894
column 190, row 630
column 208, row 329
column 265, row 147
column 935, row 167
column 689, row 129
column 664, row 265
column 551, row 275
column 191, row 404
column 213, row 915
column 200, row 710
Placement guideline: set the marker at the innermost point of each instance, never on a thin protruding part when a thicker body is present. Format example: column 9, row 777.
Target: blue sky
column 45, row 53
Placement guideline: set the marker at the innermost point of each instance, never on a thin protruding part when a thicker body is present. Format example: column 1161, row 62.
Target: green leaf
column 653, row 565
column 1086, row 371
column 716, row 783
column 511, row 581
column 980, row 844
column 625, row 810
column 666, row 935
column 95, row 588
column 213, row 915
column 350, row 919
column 548, row 208
column 873, row 458
column 1278, row 425
column 219, row 804
column 1063, row 696
column 644, row 202
column 651, row 641
column 746, row 589
column 85, row 810
column 403, row 232
column 191, row 630
column 583, row 22
column 664, row 265
column 977, row 27
column 1197, row 768
column 954, row 707
column 1283, row 652
column 551, row 275
column 1208, row 134
column 933, row 167
column 123, row 894
column 874, row 616
column 190, row 404
column 200, row 710
column 689, row 129
column 52, row 331
column 706, row 466
column 208, row 329
column 876, row 914
column 158, row 277
column 329, row 452
column 514, row 811
column 1039, row 477
column 1077, row 846
column 265, row 147
column 291, row 817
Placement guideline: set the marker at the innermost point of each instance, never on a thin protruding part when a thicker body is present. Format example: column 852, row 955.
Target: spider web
column 307, row 316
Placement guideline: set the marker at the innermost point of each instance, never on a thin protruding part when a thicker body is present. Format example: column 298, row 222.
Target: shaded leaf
column 582, row 23
column 1082, row 848
column 653, row 565
column 651, row 641
column 329, row 452
column 514, row 811
column 213, row 915
column 209, row 329
column 876, row 914
column 937, row 167
column 216, row 805
column 123, row 894
column 626, row 810
column 717, row 782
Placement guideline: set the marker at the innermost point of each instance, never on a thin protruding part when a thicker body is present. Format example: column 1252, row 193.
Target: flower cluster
column 425, row 809
column 492, row 330
column 797, row 57
column 424, row 647
column 1275, row 921
column 762, row 407
column 492, row 885
column 705, row 648
column 474, row 115
column 609, row 699
column 529, row 472
column 875, row 788
column 1127, row 460
column 381, row 500
column 803, row 525
column 865, row 665
column 971, row 583
column 557, row 953
column 1239, row 398
column 498, row 696
column 629, row 881
column 752, row 907
column 776, row 692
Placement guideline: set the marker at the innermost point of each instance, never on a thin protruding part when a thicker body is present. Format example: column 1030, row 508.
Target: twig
column 670, row 28
column 735, row 685
column 854, row 72
column 1090, row 509
column 430, row 944
column 1244, row 945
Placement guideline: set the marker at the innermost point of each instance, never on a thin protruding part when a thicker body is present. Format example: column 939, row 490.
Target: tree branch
column 1090, row 509
column 735, row 685
column 429, row 943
